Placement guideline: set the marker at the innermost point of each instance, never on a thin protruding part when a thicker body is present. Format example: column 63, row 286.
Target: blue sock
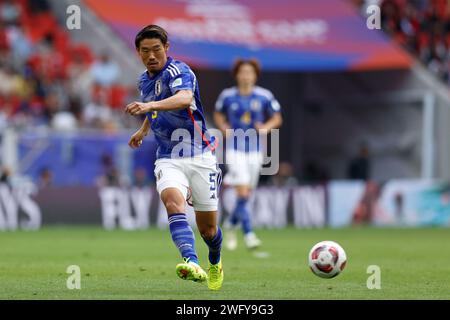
column 243, row 214
column 234, row 219
column 236, row 216
column 214, row 245
column 183, row 236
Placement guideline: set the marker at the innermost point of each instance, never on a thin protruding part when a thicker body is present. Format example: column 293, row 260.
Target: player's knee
column 243, row 191
column 173, row 206
column 207, row 231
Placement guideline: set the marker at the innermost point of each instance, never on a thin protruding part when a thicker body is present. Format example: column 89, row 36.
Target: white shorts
column 243, row 168
column 198, row 179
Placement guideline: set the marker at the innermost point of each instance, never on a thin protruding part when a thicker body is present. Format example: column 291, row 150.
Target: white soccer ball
column 327, row 259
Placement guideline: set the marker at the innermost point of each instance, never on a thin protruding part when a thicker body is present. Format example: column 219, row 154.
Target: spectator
column 5, row 176
column 110, row 175
column 422, row 26
column 105, row 72
column 45, row 178
column 64, row 121
column 47, row 61
column 51, row 107
column 21, row 47
column 97, row 114
column 38, row 6
column 141, row 178
column 359, row 167
column 10, row 81
column 314, row 172
column 81, row 79
column 43, row 74
column 3, row 121
column 10, row 12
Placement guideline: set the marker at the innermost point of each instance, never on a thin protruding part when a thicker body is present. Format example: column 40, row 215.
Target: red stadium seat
column 117, row 96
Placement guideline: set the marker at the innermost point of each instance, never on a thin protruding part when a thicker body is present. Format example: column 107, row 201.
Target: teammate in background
column 245, row 107
column 171, row 100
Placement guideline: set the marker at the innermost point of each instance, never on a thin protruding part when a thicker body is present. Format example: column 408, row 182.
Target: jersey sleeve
column 221, row 102
column 139, row 86
column 272, row 105
column 183, row 80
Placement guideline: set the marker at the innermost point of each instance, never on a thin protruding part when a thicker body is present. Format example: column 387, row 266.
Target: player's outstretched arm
column 138, row 136
column 181, row 100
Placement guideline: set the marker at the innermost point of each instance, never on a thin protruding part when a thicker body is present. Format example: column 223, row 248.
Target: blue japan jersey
column 175, row 76
column 243, row 112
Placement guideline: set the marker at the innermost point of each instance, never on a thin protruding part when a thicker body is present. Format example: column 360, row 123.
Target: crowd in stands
column 48, row 81
column 420, row 26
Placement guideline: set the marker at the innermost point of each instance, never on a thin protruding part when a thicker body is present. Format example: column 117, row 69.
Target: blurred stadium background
column 367, row 112
column 364, row 149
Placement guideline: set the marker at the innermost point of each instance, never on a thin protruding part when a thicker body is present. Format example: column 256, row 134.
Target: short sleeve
column 272, row 105
column 182, row 81
column 141, row 93
column 220, row 103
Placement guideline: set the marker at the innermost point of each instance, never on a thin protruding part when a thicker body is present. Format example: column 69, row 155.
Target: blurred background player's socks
column 234, row 219
column 241, row 213
column 183, row 236
column 214, row 245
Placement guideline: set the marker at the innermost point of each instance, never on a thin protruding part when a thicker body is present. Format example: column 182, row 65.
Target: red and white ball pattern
column 327, row 259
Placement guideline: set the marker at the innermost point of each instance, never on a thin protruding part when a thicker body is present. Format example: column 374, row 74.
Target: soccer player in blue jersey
column 184, row 168
column 247, row 107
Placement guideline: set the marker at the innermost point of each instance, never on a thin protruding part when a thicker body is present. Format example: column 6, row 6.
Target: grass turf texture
column 414, row 264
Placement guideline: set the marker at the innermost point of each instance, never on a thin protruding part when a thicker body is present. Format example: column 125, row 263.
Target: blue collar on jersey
column 169, row 60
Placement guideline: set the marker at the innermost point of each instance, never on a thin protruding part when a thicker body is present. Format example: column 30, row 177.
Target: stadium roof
column 291, row 35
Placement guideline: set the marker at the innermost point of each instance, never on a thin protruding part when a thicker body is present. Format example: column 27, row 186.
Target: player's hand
column 136, row 139
column 136, row 108
column 261, row 128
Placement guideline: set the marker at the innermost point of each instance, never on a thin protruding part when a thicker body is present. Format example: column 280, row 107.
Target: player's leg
column 250, row 164
column 212, row 235
column 181, row 232
column 243, row 195
column 254, row 168
column 172, row 187
column 231, row 225
column 205, row 178
column 210, row 232
column 239, row 178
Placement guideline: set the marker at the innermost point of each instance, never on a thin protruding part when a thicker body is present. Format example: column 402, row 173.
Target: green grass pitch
column 415, row 264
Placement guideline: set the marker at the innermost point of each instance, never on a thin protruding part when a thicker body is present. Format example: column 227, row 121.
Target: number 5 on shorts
column 212, row 180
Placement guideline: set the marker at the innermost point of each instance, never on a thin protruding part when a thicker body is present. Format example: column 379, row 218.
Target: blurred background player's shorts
column 243, row 168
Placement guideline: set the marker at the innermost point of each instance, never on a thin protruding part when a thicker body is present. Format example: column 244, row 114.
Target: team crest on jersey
column 234, row 106
column 158, row 88
column 255, row 105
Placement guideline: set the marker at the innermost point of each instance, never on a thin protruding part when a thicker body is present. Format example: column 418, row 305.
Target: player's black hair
column 152, row 31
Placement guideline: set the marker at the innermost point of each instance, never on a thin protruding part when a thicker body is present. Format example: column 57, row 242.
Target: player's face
column 153, row 54
column 246, row 76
